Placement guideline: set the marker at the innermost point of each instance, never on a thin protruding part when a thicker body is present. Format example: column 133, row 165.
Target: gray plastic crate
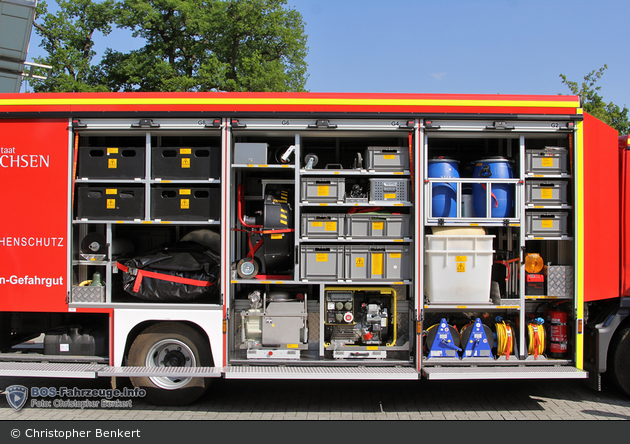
column 321, row 262
column 368, row 262
column 548, row 161
column 331, row 189
column 389, row 190
column 560, row 280
column 547, row 192
column 547, row 223
column 387, row 158
column 379, row 225
column 328, row 226
column 88, row 294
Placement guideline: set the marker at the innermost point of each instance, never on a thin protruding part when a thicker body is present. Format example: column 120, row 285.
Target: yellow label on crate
column 184, row 192
column 390, row 195
column 323, row 190
column 321, row 257
column 317, row 224
column 547, row 161
column 276, row 236
column 185, row 204
column 546, row 193
column 546, row 223
column 378, row 226
column 377, row 264
column 395, row 255
column 112, row 150
column 461, row 267
column 185, row 151
column 111, row 191
column 461, row 258
column 111, row 204
column 185, row 162
column 330, row 226
column 389, row 156
column 359, row 262
column 112, row 163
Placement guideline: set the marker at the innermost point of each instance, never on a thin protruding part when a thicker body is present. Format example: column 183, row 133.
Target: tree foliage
column 189, row 45
column 594, row 104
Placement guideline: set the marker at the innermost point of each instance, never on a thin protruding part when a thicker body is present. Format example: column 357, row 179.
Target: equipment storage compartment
column 110, row 163
column 387, row 158
column 389, row 190
column 548, row 161
column 330, row 190
column 321, row 262
column 179, row 203
column 547, row 224
column 368, row 262
column 201, row 163
column 320, row 226
column 380, row 225
column 546, row 192
column 110, row 203
column 458, row 268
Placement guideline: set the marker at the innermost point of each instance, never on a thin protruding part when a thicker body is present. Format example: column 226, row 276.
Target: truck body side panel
column 601, row 211
column 625, row 214
column 34, row 203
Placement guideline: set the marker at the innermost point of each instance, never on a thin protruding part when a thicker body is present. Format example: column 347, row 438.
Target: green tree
column 190, row 45
column 594, row 104
column 68, row 37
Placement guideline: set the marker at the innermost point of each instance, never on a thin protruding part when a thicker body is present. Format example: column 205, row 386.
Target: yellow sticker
column 184, row 192
column 283, row 216
column 546, row 193
column 112, row 163
column 547, row 161
column 111, row 204
column 378, row 226
column 395, row 255
column 276, row 236
column 321, row 257
column 317, row 224
column 461, row 258
column 371, row 347
column 185, row 162
column 377, row 264
column 389, row 157
column 330, row 226
column 292, row 345
column 185, row 204
column 185, row 151
column 323, row 190
column 359, row 262
column 283, row 222
column 546, row 223
column 112, row 150
column 390, row 195
column 461, row 267
column 111, row 191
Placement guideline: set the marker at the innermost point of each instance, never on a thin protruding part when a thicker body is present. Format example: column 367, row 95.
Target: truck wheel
column 619, row 359
column 170, row 345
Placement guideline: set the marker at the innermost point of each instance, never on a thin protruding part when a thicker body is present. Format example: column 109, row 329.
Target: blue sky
column 460, row 46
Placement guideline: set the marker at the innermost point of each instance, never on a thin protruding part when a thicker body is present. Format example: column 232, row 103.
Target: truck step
column 330, row 373
column 171, row 372
column 538, row 372
column 49, row 370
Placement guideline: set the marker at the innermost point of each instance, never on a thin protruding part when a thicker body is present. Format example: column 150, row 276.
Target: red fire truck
column 173, row 238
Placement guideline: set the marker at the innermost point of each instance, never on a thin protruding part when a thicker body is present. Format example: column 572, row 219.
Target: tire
column 170, row 345
column 247, row 268
column 619, row 359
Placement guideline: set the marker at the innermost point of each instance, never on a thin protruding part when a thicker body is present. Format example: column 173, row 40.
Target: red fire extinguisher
column 558, row 321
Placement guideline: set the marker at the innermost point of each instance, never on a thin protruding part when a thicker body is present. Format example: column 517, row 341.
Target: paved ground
column 352, row 400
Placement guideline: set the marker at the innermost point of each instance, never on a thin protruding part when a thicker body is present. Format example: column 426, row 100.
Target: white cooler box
column 458, row 269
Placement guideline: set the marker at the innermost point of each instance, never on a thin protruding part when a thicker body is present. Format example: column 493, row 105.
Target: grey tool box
column 327, row 226
column 329, row 190
column 389, row 190
column 250, row 153
column 547, row 223
column 387, row 158
column 369, row 262
column 543, row 192
column 547, row 161
column 321, row 262
column 377, row 225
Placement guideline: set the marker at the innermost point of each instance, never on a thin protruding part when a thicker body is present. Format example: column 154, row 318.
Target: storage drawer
column 387, row 158
column 323, row 190
column 110, row 163
column 185, row 203
column 379, row 225
column 389, row 190
column 547, row 224
column 321, row 262
column 110, row 203
column 548, row 161
column 546, row 192
column 365, row 262
column 330, row 226
column 186, row 163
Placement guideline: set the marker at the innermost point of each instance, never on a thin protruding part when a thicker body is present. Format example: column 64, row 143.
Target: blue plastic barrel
column 502, row 194
column 444, row 202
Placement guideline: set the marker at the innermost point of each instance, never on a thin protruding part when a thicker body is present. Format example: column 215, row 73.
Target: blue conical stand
column 478, row 345
column 443, row 345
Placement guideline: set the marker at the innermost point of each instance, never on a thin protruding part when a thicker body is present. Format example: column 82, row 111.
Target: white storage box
column 458, row 269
